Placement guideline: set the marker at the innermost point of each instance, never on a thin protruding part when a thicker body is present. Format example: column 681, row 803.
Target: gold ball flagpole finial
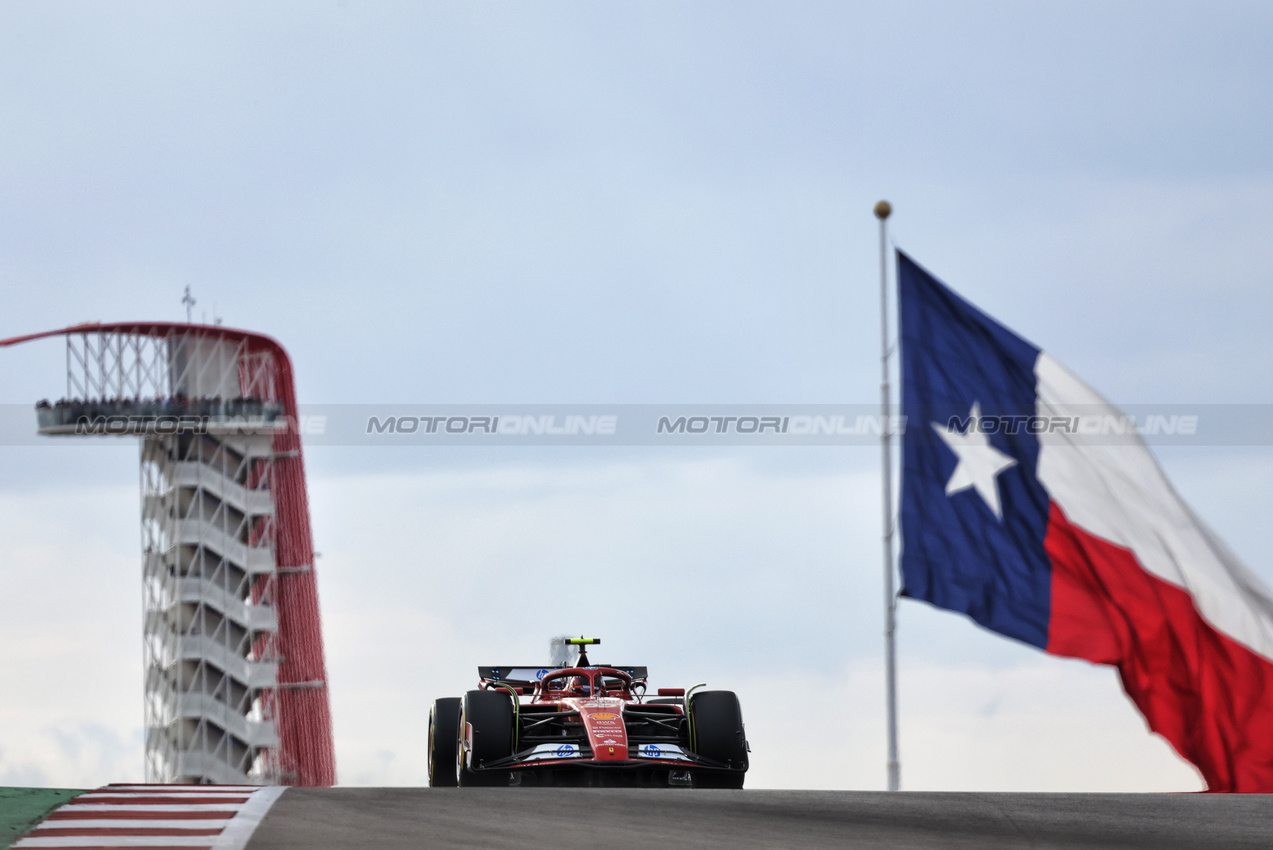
column 883, row 210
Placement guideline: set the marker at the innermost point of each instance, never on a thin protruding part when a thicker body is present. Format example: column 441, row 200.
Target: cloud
column 74, row 754
column 1052, row 725
column 70, row 625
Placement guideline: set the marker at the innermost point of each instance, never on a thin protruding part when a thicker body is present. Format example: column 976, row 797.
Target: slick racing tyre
column 444, row 717
column 490, row 713
column 719, row 735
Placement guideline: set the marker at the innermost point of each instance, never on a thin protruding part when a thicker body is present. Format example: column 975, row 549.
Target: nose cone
column 603, row 720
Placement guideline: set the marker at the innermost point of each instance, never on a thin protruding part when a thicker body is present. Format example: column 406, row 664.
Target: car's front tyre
column 719, row 735
column 444, row 716
column 490, row 713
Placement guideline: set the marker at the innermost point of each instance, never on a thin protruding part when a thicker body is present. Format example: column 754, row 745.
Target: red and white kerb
column 184, row 817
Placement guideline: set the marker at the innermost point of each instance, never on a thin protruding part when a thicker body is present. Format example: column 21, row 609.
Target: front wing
column 647, row 764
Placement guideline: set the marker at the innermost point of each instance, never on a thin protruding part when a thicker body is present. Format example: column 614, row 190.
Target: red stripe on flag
column 1205, row 693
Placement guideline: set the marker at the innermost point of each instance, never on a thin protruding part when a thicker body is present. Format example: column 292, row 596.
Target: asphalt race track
column 305, row 818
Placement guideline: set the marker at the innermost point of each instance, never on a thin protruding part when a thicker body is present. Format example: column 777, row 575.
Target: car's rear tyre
column 719, row 735
column 444, row 717
column 490, row 713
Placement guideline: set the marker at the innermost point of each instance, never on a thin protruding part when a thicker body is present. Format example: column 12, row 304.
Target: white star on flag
column 979, row 462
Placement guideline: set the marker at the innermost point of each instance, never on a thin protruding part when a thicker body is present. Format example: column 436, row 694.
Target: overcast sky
column 616, row 203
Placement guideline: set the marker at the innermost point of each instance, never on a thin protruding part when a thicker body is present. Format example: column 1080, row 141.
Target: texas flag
column 1030, row 506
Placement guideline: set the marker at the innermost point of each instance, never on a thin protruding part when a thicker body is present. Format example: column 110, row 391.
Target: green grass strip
column 23, row 808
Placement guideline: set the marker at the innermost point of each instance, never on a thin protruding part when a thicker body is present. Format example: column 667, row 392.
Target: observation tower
column 235, row 679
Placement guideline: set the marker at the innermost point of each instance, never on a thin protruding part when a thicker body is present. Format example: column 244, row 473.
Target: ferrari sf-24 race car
column 584, row 724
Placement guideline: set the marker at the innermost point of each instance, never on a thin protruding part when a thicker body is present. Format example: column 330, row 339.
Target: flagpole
column 882, row 211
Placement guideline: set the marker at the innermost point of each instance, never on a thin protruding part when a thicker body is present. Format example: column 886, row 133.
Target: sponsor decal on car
column 601, row 715
column 548, row 752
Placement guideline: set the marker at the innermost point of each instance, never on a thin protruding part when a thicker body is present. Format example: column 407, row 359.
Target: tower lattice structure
column 235, row 679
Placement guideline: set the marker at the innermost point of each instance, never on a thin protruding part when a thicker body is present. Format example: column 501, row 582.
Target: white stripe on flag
column 1112, row 487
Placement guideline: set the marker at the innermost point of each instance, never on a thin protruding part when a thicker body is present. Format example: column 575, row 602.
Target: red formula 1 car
column 585, row 725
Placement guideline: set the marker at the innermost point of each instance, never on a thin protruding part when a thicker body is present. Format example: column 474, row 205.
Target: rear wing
column 528, row 675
